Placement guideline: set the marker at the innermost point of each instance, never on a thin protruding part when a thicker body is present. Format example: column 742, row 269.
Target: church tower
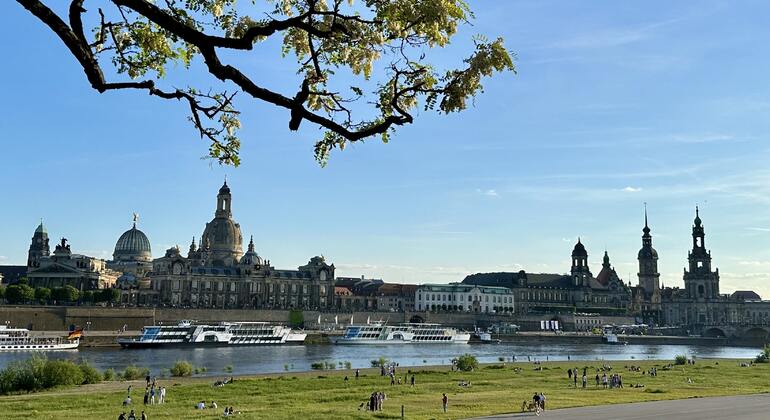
column 39, row 246
column 700, row 282
column 580, row 271
column 649, row 278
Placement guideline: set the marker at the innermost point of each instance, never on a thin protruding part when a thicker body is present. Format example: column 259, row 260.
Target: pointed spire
column 697, row 216
column 251, row 244
column 645, row 214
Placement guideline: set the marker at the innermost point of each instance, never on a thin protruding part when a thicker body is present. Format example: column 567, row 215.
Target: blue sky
column 614, row 104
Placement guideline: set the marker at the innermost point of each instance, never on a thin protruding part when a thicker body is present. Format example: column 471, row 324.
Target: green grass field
column 325, row 395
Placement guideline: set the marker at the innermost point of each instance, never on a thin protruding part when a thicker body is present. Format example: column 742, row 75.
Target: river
column 276, row 359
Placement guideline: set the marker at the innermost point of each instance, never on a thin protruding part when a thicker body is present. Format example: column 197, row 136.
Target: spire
column 193, row 247
column 697, row 216
column 251, row 244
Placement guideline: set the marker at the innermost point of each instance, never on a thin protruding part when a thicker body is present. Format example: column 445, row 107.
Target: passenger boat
column 379, row 333
column 613, row 339
column 19, row 339
column 186, row 333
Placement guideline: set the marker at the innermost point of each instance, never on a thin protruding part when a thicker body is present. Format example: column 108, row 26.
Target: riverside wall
column 97, row 318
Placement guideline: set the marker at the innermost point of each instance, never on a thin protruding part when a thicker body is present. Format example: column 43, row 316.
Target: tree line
column 23, row 293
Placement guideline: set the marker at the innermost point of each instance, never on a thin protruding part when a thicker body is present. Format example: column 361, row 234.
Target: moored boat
column 379, row 333
column 186, row 333
column 20, row 339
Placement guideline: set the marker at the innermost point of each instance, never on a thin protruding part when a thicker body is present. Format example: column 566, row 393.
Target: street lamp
column 88, row 326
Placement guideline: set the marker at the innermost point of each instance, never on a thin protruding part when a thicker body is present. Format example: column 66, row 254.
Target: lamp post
column 88, row 326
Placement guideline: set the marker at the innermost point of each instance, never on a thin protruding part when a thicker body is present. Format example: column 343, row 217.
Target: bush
column 133, row 373
column 109, row 374
column 467, row 362
column 181, row 368
column 61, row 372
column 680, row 359
column 382, row 361
column 229, row 369
column 23, row 375
column 90, row 374
column 65, row 294
column 318, row 365
column 763, row 357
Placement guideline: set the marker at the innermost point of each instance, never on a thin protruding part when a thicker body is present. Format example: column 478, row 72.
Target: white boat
column 379, row 333
column 186, row 333
column 612, row 339
column 19, row 339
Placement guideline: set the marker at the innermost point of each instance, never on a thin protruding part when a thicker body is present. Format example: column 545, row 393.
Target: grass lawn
column 325, row 395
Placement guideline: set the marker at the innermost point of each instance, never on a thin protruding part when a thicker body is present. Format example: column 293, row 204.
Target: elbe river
column 290, row 358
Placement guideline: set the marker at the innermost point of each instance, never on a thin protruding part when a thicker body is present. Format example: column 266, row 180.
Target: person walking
column 358, row 372
column 445, row 402
column 585, row 380
column 542, row 401
column 146, row 396
column 413, row 380
column 152, row 395
column 144, row 416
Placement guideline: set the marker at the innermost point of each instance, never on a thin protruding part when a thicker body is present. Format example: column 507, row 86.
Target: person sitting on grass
column 122, row 416
column 127, row 401
column 201, row 405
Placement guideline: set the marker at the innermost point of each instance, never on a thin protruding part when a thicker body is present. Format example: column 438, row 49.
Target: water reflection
column 273, row 359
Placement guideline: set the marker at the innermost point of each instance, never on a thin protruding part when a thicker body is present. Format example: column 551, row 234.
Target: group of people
column 612, row 381
column 132, row 416
column 375, row 401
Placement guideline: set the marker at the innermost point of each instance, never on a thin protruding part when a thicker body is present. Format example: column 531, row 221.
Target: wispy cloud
column 611, row 37
column 488, row 193
column 758, row 229
column 631, row 189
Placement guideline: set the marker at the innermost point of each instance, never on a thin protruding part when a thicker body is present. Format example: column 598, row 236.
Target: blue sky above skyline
column 614, row 104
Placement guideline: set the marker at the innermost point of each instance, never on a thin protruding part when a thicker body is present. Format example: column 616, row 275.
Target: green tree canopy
column 65, row 294
column 362, row 66
column 19, row 293
column 42, row 294
column 108, row 295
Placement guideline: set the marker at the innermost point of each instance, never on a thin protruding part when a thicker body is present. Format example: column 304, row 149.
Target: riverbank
column 107, row 339
column 494, row 388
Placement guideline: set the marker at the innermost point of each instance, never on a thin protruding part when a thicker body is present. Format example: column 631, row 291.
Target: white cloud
column 632, row 189
column 758, row 229
column 488, row 193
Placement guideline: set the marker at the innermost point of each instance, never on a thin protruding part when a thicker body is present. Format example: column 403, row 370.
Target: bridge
column 754, row 333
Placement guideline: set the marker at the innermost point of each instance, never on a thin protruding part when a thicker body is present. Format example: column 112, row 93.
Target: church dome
column 251, row 257
column 223, row 238
column 133, row 245
column 579, row 250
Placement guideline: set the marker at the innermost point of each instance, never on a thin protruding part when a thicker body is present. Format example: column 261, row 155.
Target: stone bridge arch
column 757, row 334
column 715, row 332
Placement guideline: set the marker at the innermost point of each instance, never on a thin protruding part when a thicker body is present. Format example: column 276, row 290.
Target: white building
column 463, row 298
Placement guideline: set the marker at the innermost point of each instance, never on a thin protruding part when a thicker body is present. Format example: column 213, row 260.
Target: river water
column 275, row 359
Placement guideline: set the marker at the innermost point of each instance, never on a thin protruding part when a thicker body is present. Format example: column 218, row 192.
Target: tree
column 108, row 295
column 87, row 296
column 466, row 363
column 144, row 39
column 65, row 294
column 42, row 294
column 19, row 293
column 2, row 292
